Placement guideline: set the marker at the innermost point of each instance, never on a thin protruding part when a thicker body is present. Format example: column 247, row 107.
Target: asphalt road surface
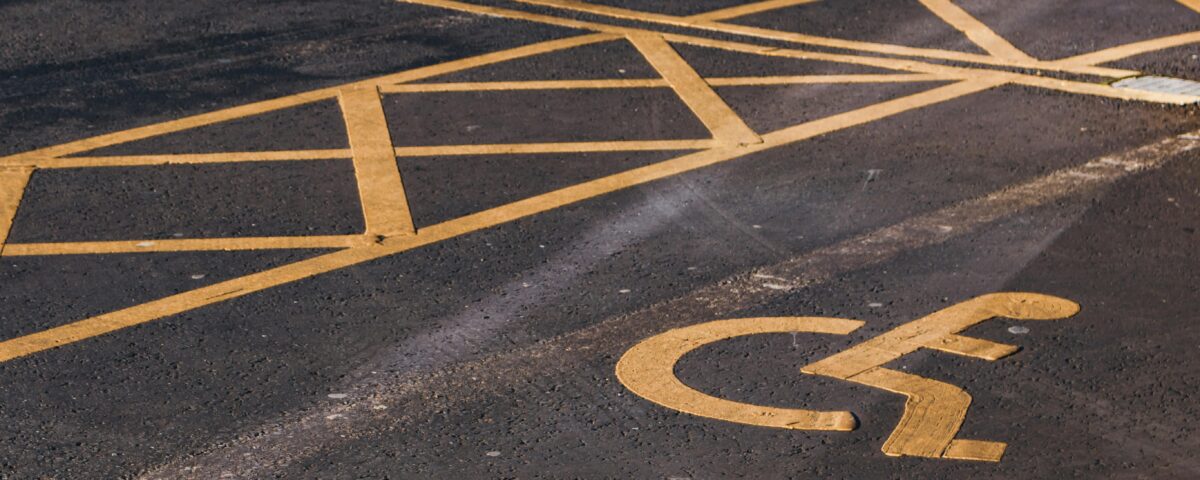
column 615, row 239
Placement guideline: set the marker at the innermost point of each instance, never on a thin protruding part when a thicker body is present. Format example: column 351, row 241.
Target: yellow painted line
column 976, row 31
column 179, row 303
column 384, row 205
column 747, row 9
column 185, row 245
column 12, row 187
column 820, row 79
column 1192, row 4
column 564, row 147
column 947, row 71
column 648, row 369
column 1131, row 49
column 1103, row 90
column 726, row 126
column 935, row 410
column 769, row 34
column 194, row 158
column 977, row 450
column 523, row 85
column 972, row 347
column 148, row 312
column 648, row 83
column 42, row 155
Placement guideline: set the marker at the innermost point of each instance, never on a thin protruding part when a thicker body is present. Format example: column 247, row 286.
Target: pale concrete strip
column 270, row 447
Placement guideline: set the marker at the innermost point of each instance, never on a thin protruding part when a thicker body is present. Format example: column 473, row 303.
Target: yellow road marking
column 747, row 9
column 185, row 245
column 194, row 158
column 523, row 85
column 933, row 412
column 976, row 31
column 1192, row 4
column 1132, row 49
column 36, row 157
column 230, row 289
column 648, row 369
column 384, row 205
column 769, row 34
column 12, row 188
column 896, row 64
column 818, row 79
column 564, row 147
column 725, row 125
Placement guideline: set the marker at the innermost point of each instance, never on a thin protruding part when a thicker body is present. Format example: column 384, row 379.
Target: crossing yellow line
column 230, row 289
column 976, row 31
column 819, row 79
column 726, row 126
column 194, row 158
column 44, row 155
column 1192, row 4
column 384, row 205
column 1131, row 49
column 523, row 85
column 747, row 9
column 12, row 188
column 769, row 34
column 186, row 245
column 563, row 147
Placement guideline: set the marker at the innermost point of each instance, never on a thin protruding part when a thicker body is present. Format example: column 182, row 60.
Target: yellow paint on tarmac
column 725, row 125
column 976, row 31
column 385, row 206
column 648, row 369
column 12, row 188
column 933, row 413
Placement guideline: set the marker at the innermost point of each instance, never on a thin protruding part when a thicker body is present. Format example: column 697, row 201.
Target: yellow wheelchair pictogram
column 933, row 412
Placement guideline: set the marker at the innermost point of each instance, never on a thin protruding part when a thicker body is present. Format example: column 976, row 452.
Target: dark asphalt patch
column 47, row 291
column 189, row 201
column 905, row 23
column 1053, row 29
column 438, row 190
column 456, row 118
column 772, row 107
column 714, row 62
column 275, row 130
column 1179, row 62
column 606, row 60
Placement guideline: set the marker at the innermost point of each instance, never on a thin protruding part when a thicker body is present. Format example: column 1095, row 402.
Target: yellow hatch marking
column 976, row 31
column 726, row 126
column 1192, row 4
column 12, row 188
column 384, row 205
column 933, row 412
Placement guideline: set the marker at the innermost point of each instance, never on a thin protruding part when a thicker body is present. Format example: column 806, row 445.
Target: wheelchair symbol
column 933, row 412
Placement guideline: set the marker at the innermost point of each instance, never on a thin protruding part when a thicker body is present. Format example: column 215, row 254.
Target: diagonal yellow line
column 747, row 9
column 230, row 289
column 12, row 188
column 1131, row 49
column 384, row 205
column 186, row 245
column 1192, row 4
column 44, row 155
column 765, row 33
column 725, row 125
column 976, row 30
